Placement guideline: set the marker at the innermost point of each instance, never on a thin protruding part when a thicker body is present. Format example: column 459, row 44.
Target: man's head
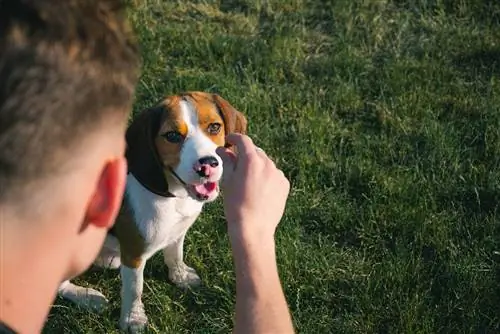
column 68, row 71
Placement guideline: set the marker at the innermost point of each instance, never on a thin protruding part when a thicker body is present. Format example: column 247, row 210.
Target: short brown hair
column 65, row 67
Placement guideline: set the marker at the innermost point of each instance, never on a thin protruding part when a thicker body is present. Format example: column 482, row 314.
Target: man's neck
column 28, row 280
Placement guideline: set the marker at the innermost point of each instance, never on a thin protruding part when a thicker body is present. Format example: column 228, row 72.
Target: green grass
column 385, row 115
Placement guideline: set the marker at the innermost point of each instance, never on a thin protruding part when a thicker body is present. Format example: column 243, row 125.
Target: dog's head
column 176, row 140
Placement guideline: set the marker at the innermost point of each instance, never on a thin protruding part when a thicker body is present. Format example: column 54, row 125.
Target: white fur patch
column 160, row 220
column 196, row 145
column 87, row 298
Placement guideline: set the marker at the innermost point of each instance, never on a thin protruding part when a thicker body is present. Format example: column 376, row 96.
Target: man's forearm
column 260, row 303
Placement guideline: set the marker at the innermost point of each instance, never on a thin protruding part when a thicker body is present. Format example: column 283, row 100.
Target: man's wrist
column 254, row 259
column 250, row 241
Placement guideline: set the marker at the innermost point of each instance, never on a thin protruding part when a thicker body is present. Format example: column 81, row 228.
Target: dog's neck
column 175, row 187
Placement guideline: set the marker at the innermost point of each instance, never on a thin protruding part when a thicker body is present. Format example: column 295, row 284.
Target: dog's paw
column 184, row 277
column 87, row 298
column 134, row 321
column 95, row 300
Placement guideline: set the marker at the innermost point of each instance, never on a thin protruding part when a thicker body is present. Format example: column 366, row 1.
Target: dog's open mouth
column 201, row 191
column 204, row 190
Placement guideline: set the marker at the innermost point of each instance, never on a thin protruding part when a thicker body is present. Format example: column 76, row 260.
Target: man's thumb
column 228, row 162
column 227, row 156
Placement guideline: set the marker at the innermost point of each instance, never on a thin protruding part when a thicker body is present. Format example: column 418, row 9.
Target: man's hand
column 254, row 190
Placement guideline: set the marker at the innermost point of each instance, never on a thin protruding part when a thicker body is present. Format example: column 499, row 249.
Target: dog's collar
column 161, row 193
column 154, row 191
column 177, row 177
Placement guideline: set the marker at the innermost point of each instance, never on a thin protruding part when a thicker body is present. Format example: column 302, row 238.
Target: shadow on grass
column 482, row 11
column 445, row 282
column 480, row 64
column 316, row 222
column 354, row 190
column 238, row 6
column 475, row 202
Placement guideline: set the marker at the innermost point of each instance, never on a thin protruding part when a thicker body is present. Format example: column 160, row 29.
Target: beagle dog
column 173, row 171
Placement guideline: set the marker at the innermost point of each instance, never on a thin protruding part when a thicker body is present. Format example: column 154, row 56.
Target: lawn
column 385, row 116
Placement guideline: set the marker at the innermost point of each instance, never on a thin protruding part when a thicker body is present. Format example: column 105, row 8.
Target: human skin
column 254, row 195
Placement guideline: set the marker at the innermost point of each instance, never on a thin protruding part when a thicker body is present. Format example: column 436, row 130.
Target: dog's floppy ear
column 234, row 121
column 142, row 157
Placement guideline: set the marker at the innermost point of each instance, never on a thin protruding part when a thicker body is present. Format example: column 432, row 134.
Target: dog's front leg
column 133, row 318
column 179, row 273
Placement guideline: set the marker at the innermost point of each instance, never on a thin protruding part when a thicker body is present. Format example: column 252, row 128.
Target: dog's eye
column 173, row 136
column 214, row 128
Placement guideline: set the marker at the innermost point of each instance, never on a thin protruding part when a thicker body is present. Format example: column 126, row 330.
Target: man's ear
column 234, row 121
column 108, row 194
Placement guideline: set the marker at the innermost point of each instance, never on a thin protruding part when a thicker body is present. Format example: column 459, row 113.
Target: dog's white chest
column 160, row 220
column 186, row 207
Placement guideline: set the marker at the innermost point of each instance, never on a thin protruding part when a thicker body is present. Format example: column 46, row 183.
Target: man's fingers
column 243, row 143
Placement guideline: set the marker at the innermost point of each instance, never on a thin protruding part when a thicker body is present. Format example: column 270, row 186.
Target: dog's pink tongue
column 206, row 188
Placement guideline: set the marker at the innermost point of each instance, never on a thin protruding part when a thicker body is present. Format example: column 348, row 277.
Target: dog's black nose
column 209, row 160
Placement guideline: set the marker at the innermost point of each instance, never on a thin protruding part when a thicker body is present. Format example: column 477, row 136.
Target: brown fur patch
column 132, row 244
column 171, row 120
column 211, row 108
column 233, row 120
column 208, row 114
